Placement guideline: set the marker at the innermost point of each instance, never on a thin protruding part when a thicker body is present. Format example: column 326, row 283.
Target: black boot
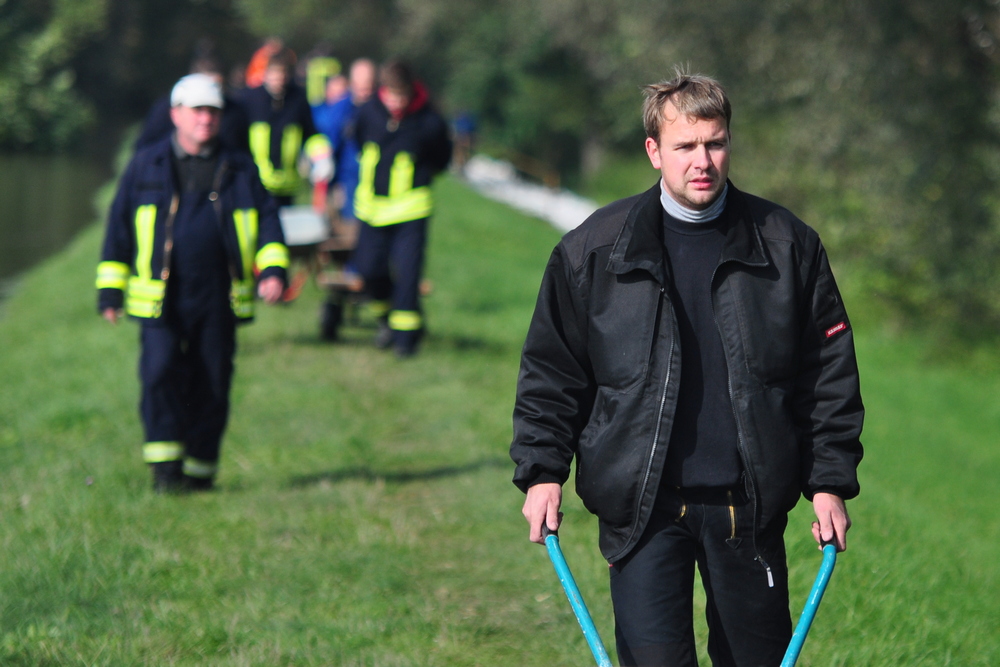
column 194, row 484
column 167, row 477
column 405, row 343
column 383, row 337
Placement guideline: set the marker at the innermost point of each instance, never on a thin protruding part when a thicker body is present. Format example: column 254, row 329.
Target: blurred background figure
column 233, row 132
column 464, row 129
column 259, row 61
column 281, row 127
column 404, row 144
column 335, row 118
column 180, row 252
column 318, row 70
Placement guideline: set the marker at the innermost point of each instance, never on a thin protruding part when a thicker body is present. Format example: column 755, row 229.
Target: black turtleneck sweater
column 703, row 442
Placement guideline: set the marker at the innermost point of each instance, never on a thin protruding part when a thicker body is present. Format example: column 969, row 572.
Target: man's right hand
column 542, row 505
column 111, row 315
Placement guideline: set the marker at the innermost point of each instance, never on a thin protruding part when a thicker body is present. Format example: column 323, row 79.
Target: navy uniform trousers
column 186, row 363
column 391, row 260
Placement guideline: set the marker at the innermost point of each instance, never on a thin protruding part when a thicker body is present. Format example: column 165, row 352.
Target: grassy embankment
column 365, row 515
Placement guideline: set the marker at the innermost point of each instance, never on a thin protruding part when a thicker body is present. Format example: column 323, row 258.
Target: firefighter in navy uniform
column 281, row 127
column 189, row 226
column 404, row 144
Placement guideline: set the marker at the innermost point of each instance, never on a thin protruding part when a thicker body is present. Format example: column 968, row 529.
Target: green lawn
column 366, row 515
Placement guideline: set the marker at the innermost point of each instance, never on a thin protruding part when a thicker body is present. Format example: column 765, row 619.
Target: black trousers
column 391, row 260
column 186, row 369
column 652, row 588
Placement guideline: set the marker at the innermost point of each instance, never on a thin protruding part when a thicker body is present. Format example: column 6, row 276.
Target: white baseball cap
column 197, row 90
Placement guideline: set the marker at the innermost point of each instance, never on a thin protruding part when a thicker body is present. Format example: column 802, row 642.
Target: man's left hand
column 271, row 289
column 833, row 521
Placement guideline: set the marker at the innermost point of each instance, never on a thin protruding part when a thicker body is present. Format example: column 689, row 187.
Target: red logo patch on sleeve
column 836, row 329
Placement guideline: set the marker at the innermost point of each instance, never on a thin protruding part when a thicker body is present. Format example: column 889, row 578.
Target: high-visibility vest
column 318, row 70
column 403, row 201
column 286, row 180
column 145, row 293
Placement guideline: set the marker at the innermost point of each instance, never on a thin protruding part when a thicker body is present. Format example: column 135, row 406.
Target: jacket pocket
column 612, row 457
column 622, row 332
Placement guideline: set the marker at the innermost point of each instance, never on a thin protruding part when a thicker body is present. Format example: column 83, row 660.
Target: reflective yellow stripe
column 201, row 469
column 317, row 72
column 284, row 181
column 241, row 294
column 401, row 174
column 260, row 148
column 405, row 320
column 383, row 211
column 145, row 221
column 145, row 294
column 112, row 275
column 241, row 298
column 291, row 144
column 364, row 195
column 145, row 297
column 245, row 220
column 272, row 254
column 403, row 203
column 158, row 452
column 379, row 308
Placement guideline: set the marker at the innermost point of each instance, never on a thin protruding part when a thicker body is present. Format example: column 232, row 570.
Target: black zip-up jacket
column 600, row 369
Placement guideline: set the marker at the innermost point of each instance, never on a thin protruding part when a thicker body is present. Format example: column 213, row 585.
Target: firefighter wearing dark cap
column 404, row 144
column 190, row 235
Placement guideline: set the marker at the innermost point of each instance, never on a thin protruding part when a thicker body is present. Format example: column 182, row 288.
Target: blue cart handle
column 812, row 604
column 575, row 598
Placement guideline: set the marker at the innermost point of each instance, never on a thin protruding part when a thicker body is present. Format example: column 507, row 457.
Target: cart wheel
column 330, row 319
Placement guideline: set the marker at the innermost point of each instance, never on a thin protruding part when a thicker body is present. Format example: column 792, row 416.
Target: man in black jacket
column 690, row 348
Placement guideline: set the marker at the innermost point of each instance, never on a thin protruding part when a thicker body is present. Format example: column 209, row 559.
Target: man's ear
column 653, row 152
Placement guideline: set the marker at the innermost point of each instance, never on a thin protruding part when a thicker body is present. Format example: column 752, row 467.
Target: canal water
column 45, row 200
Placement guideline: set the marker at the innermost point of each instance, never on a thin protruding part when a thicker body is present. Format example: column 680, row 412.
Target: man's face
column 362, row 82
column 275, row 79
column 396, row 101
column 196, row 126
column 693, row 157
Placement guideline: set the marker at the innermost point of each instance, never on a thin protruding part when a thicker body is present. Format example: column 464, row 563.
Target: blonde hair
column 691, row 94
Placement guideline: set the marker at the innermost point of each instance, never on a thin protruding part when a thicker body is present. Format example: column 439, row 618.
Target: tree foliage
column 876, row 122
column 39, row 104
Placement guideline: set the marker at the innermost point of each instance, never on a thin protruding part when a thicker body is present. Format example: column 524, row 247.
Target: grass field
column 366, row 517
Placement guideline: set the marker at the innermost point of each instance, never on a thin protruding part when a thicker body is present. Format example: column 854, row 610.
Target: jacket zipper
column 216, row 198
column 753, row 484
column 741, row 447
column 659, row 418
column 168, row 234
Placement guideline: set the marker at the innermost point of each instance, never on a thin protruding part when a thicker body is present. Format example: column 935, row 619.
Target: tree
column 39, row 105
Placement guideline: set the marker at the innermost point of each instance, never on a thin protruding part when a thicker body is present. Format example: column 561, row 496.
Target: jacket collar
column 161, row 154
column 639, row 245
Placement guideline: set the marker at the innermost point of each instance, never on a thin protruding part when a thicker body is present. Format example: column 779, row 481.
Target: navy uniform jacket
column 135, row 262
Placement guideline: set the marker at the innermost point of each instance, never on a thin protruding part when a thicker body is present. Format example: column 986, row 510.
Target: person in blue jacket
column 190, row 234
column 336, row 120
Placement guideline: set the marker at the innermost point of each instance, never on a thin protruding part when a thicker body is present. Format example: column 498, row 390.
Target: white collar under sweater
column 685, row 214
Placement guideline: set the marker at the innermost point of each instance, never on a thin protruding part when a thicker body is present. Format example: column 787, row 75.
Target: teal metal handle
column 575, row 598
column 812, row 604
